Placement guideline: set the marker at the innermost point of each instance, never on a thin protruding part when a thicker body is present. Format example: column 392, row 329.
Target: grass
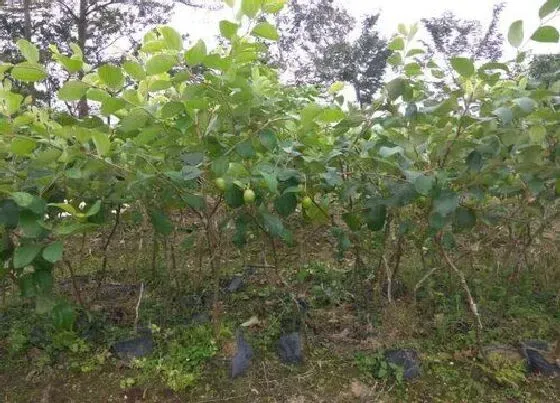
column 346, row 322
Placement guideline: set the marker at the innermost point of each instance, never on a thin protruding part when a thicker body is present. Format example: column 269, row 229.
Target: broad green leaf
column 463, row 66
column 266, row 30
column 537, row 134
column 396, row 88
column 273, row 224
column 96, row 94
column 173, row 39
column 23, row 199
column 273, row 6
column 505, row 114
column 196, row 54
column 172, row 109
column 23, row 146
column 161, row 222
column 446, row 203
column 250, row 8
column 268, row 139
column 63, row 316
column 548, row 8
column 396, row 44
column 111, row 105
column 29, row 72
column 353, row 220
column 160, row 64
column 53, row 252
column 516, row 34
column 112, row 76
column 10, row 102
column 526, row 103
column 424, row 184
column 228, row 29
column 28, row 50
column 546, row 34
column 134, row 70
column 102, row 143
column 286, row 204
column 73, row 90
column 160, row 85
column 376, row 217
column 24, row 255
column 136, row 119
column 9, row 214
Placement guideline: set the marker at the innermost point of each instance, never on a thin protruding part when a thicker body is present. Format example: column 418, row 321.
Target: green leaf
column 161, row 222
column 396, row 88
column 111, row 105
column 286, row 204
column 396, row 44
column 134, row 70
column 53, row 252
column 29, row 72
column 548, row 8
column 526, row 103
column 23, row 199
column 160, row 85
column 266, row 30
column 546, row 34
column 273, row 224
column 102, row 143
column 233, row 196
column 24, row 255
column 136, row 119
column 111, row 75
column 172, row 109
column 29, row 51
column 196, row 54
column 446, row 203
column 173, row 39
column 10, row 102
column 23, row 146
column 463, row 66
column 268, row 139
column 505, row 114
column 424, row 184
column 250, row 8
column 73, row 90
column 537, row 134
column 63, row 316
column 273, row 6
column 376, row 217
column 9, row 214
column 228, row 29
column 516, row 34
column 160, row 64
column 95, row 94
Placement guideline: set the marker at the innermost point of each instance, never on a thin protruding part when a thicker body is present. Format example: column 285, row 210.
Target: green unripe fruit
column 220, row 183
column 306, row 202
column 249, row 196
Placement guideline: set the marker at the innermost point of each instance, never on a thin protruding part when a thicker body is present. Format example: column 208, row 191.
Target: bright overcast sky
column 203, row 24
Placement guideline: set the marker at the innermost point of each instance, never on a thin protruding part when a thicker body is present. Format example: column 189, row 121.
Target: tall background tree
column 545, row 69
column 94, row 25
column 316, row 47
column 453, row 36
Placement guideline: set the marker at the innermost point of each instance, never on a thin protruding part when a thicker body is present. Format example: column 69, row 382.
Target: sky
column 203, row 24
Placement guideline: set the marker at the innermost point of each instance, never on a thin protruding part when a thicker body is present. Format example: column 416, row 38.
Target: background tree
column 315, row 47
column 95, row 25
column 545, row 69
column 452, row 36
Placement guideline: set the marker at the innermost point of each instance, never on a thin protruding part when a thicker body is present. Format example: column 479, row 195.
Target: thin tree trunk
column 27, row 20
column 83, row 107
